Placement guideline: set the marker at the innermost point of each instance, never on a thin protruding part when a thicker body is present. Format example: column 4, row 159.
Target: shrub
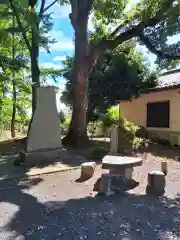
column 136, row 142
column 67, row 121
column 130, row 127
column 140, row 143
column 98, row 152
column 114, row 113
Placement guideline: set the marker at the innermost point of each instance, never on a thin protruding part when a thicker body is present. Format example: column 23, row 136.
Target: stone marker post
column 44, row 137
column 114, row 140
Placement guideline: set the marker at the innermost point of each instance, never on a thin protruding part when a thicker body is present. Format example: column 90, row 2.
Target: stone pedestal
column 44, row 138
column 126, row 173
column 105, row 184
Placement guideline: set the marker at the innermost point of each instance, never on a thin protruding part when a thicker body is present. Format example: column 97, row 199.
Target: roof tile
column 169, row 79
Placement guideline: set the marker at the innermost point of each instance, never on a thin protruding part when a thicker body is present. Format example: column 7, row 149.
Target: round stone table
column 120, row 171
column 120, row 162
column 122, row 165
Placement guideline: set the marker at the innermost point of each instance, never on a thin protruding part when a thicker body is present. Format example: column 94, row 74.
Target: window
column 158, row 114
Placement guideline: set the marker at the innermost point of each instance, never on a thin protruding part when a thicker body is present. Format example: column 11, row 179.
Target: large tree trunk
column 90, row 112
column 77, row 134
column 35, row 72
column 35, row 68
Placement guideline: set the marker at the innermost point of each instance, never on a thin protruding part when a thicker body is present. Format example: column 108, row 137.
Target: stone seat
column 156, row 183
column 87, row 170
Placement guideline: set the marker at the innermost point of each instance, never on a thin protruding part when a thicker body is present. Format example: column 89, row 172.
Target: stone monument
column 44, row 137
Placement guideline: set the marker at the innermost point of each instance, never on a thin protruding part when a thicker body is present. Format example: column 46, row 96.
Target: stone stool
column 105, row 184
column 156, row 183
column 87, row 170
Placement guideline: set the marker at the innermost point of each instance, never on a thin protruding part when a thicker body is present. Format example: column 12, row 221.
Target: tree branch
column 119, row 27
column 153, row 49
column 41, row 9
column 134, row 31
column 74, row 13
column 50, row 5
column 20, row 26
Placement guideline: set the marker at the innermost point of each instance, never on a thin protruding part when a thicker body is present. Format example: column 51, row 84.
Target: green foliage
column 139, row 143
column 68, row 120
column 120, row 75
column 114, row 112
column 110, row 117
column 62, row 117
column 136, row 142
column 98, row 152
column 130, row 127
column 109, row 11
column 50, row 73
column 14, row 64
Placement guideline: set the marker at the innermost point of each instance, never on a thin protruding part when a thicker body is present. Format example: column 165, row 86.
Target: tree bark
column 77, row 134
column 35, row 68
column 13, row 118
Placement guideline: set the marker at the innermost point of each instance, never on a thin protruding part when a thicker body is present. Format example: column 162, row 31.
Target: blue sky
column 63, row 33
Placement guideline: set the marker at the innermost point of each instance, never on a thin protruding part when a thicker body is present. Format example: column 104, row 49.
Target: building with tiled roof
column 169, row 79
column 158, row 109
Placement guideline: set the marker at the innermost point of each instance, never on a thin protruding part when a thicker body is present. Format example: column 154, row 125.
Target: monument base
column 41, row 157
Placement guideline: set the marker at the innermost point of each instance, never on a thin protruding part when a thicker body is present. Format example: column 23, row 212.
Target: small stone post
column 114, row 140
column 164, row 167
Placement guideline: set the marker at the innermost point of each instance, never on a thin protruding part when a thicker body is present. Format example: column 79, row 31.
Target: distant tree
column 62, row 116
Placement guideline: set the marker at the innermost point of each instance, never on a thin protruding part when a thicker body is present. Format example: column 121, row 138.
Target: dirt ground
column 9, row 150
column 56, row 206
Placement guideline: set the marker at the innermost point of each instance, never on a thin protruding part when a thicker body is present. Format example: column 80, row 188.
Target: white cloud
column 59, row 58
column 63, row 43
column 174, row 39
column 51, row 65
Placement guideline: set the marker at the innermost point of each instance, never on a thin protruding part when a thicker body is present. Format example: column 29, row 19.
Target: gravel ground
column 56, row 207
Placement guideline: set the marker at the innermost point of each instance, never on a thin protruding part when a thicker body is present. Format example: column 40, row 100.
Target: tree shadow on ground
column 128, row 215
column 163, row 151
column 10, row 150
column 74, row 159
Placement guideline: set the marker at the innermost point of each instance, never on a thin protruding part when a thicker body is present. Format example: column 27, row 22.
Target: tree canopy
column 150, row 23
column 24, row 27
column 121, row 75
